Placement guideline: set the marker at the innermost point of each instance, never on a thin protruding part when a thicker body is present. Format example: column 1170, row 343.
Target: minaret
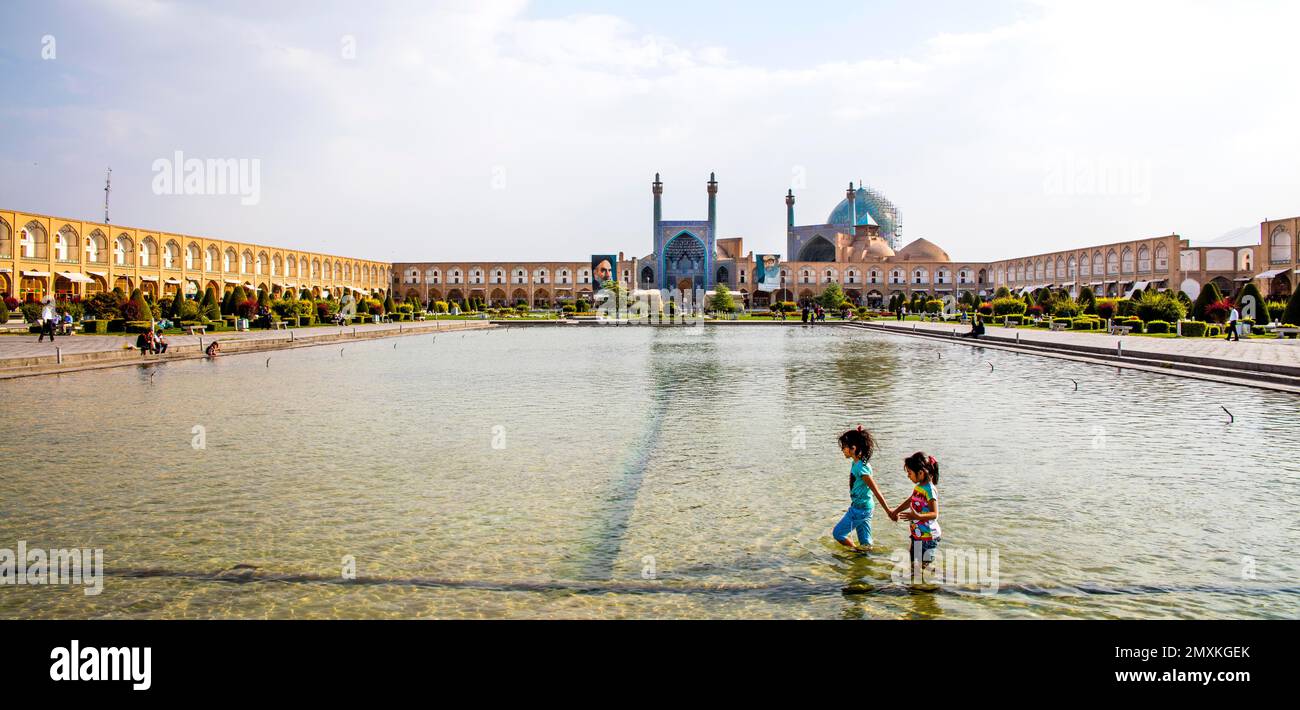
column 789, row 209
column 658, row 189
column 713, row 205
column 853, row 209
column 713, row 232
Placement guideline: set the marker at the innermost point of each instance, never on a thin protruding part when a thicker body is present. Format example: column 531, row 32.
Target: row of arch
column 497, row 275
column 34, row 243
column 1126, row 261
column 500, row 297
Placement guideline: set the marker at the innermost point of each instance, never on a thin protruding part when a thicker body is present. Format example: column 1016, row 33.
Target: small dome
column 922, row 250
column 877, row 248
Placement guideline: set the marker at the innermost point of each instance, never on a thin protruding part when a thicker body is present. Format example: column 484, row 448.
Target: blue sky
column 507, row 129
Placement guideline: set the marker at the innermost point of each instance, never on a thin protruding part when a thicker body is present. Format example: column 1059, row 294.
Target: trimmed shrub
column 1261, row 306
column 136, row 326
column 1008, row 306
column 1158, row 326
column 1194, row 328
column 1152, row 306
column 94, row 327
column 31, row 312
column 1015, row 318
column 1209, row 294
column 1292, row 314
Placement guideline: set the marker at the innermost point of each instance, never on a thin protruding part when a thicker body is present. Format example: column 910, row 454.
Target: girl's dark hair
column 923, row 463
column 860, row 441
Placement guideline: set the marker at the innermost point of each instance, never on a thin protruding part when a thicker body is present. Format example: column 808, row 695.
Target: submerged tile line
column 796, row 587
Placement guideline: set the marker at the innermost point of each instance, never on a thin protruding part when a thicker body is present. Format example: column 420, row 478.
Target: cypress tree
column 228, row 303
column 1292, row 314
column 1209, row 294
column 143, row 311
column 264, row 298
column 389, row 306
column 178, row 299
column 209, row 308
column 1261, row 306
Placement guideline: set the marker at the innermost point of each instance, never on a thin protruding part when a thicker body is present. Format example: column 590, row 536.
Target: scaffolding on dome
column 884, row 212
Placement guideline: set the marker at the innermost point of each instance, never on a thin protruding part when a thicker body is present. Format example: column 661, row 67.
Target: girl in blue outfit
column 858, row 445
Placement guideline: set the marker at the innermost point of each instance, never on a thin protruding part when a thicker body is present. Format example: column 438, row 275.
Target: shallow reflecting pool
column 646, row 472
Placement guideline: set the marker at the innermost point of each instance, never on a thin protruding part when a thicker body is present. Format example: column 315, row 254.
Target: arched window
column 1144, row 258
column 65, row 244
column 123, row 250
column 1279, row 251
column 1126, row 260
column 1112, row 263
column 97, row 247
column 723, row 275
column 34, row 241
column 171, row 255
column 647, row 275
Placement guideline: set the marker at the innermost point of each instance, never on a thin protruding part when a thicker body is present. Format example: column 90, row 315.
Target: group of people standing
column 813, row 314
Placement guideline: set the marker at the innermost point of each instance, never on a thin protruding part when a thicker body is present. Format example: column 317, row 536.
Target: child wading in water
column 858, row 445
column 922, row 509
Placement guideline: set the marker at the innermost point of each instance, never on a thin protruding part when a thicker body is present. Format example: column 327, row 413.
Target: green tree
column 140, row 308
column 1002, row 292
column 832, row 298
column 1261, row 306
column 178, row 300
column 1209, row 294
column 1292, row 314
column 264, row 299
column 209, row 308
column 721, row 301
column 389, row 306
column 1088, row 300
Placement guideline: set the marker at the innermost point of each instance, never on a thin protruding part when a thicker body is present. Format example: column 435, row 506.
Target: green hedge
column 1158, row 326
column 137, row 326
column 94, row 327
column 1194, row 328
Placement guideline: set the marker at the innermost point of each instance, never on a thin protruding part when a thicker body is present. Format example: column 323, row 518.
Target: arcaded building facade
column 43, row 255
column 857, row 246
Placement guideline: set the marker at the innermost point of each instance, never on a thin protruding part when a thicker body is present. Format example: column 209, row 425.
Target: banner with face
column 602, row 270
column 767, row 272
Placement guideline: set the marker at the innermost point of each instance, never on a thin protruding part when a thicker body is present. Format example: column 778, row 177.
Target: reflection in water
column 639, row 472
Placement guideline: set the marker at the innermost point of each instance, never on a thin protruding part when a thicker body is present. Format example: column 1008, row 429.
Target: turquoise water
column 645, row 473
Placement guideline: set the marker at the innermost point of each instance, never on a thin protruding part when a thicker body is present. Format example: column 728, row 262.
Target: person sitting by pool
column 159, row 343
column 144, row 341
column 976, row 328
column 213, row 349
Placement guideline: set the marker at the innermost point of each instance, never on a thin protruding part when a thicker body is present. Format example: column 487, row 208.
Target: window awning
column 1136, row 287
column 76, row 276
column 173, row 281
column 5, row 269
column 1269, row 274
column 97, row 273
column 36, row 273
column 232, row 281
column 148, row 278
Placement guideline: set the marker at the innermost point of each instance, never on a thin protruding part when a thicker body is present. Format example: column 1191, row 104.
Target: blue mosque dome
column 873, row 208
column 840, row 215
